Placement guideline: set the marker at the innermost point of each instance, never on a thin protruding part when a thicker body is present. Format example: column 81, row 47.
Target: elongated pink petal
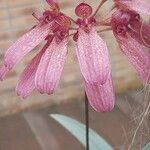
column 137, row 55
column 93, row 57
column 26, row 83
column 3, row 71
column 24, row 45
column 101, row 97
column 51, row 66
column 140, row 6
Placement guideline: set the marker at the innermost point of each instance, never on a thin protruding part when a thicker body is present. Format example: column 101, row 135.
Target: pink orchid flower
column 44, row 71
column 93, row 56
column 133, row 36
column 140, row 6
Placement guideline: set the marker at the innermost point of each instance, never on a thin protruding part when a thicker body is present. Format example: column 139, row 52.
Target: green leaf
column 78, row 130
column 147, row 147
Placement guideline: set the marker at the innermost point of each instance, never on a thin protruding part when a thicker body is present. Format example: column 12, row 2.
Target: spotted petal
column 51, row 66
column 101, row 97
column 24, row 45
column 26, row 83
column 93, row 57
column 137, row 55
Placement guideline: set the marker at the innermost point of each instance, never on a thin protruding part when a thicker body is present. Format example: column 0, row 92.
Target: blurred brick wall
column 16, row 19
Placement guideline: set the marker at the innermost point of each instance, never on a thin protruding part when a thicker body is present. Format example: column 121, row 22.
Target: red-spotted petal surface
column 93, row 57
column 137, row 55
column 51, row 66
column 26, row 83
column 101, row 97
column 24, row 45
column 141, row 6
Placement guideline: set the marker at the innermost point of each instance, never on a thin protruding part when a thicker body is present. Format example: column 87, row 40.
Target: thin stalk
column 106, row 22
column 87, row 121
column 100, row 5
column 107, row 29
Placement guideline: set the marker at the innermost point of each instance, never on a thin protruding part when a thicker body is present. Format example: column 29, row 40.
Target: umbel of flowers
column 44, row 71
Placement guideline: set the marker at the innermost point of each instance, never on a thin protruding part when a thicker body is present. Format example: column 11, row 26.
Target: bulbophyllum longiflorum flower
column 44, row 71
column 133, row 36
column 94, row 60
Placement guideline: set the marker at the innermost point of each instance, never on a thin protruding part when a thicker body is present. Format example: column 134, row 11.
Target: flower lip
column 47, row 16
column 85, row 21
column 122, row 19
column 83, row 10
column 121, row 30
column 59, row 23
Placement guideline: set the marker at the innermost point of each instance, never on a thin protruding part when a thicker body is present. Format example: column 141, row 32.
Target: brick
column 2, row 3
column 5, row 36
column 3, row 14
column 22, row 21
column 4, row 25
column 19, row 33
column 4, row 45
column 23, row 11
column 13, row 3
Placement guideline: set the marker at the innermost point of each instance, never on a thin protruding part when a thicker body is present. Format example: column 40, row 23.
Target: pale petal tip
column 39, row 90
column 19, row 94
column 101, row 97
column 103, row 109
column 3, row 72
column 48, row 92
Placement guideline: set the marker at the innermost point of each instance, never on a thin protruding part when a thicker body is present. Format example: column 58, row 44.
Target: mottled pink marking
column 26, row 83
column 93, row 57
column 51, row 66
column 101, row 97
column 24, row 45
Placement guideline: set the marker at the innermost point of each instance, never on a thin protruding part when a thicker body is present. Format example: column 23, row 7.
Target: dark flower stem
column 87, row 121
